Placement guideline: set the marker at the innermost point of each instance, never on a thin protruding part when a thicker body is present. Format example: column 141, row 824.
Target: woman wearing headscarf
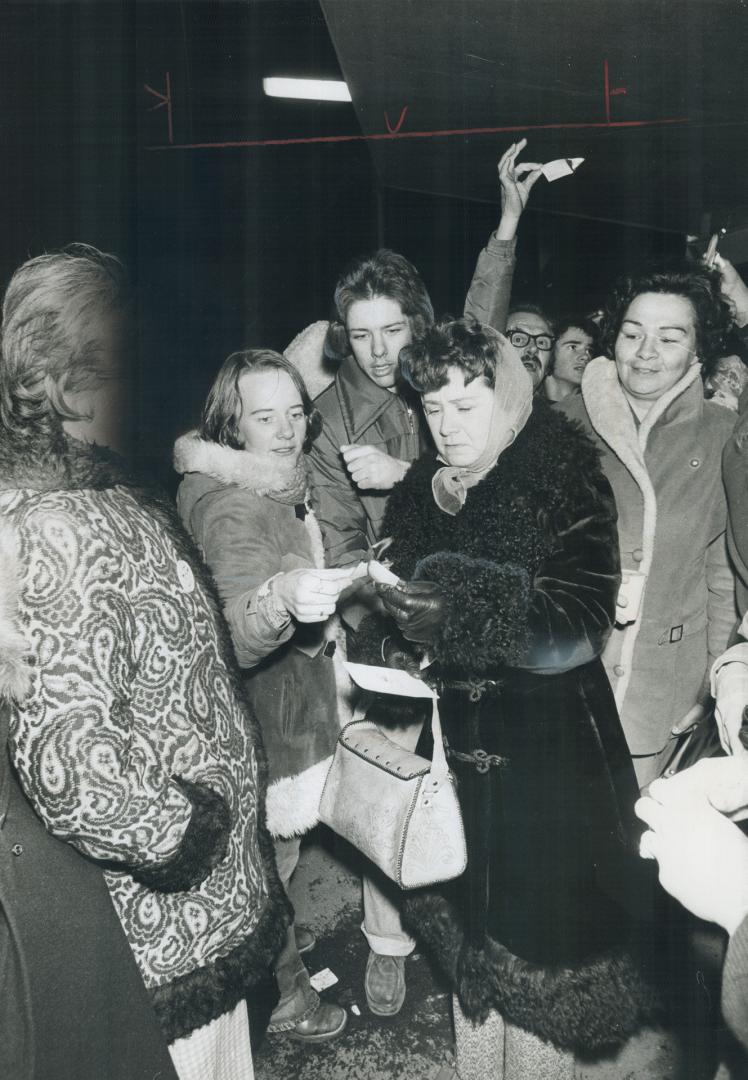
column 505, row 544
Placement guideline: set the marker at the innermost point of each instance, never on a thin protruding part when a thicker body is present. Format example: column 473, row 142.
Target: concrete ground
column 418, row 1043
column 414, row 1045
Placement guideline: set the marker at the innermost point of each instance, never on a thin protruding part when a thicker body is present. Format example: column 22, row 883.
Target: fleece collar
column 259, row 473
column 611, row 416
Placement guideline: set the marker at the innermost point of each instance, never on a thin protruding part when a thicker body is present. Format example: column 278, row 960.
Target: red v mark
column 394, row 130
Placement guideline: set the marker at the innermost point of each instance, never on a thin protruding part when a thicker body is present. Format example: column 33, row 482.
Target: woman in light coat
column 245, row 498
column 661, row 445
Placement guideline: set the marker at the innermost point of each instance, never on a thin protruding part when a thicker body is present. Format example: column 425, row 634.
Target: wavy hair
column 450, row 343
column 223, row 406
column 386, row 274
column 51, row 341
column 692, row 281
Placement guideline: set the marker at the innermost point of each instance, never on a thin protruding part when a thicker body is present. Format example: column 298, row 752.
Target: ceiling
column 664, row 145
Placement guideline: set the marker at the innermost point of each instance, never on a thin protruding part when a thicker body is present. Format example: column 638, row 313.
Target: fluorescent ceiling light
column 310, row 89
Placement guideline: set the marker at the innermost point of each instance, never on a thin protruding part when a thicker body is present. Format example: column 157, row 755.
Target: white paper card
column 383, row 680
column 323, row 979
column 381, row 573
column 554, row 170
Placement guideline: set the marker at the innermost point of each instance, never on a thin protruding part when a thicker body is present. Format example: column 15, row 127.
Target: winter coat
column 529, row 570
column 134, row 742
column 356, row 411
column 666, row 477
column 291, row 675
column 72, row 1002
column 735, row 473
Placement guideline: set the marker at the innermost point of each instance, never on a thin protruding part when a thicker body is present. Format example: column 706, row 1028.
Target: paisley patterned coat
column 134, row 742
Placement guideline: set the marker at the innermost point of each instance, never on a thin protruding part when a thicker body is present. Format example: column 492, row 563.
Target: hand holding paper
column 554, row 170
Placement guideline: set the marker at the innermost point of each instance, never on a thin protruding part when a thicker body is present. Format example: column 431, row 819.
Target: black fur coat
column 537, row 927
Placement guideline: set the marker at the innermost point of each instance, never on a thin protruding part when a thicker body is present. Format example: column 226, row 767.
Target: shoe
column 384, row 984
column 305, row 939
column 325, row 1024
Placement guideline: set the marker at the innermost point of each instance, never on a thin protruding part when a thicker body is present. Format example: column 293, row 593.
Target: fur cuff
column 487, row 608
column 203, row 845
column 293, row 801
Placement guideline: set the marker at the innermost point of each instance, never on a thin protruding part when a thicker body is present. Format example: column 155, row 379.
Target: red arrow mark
column 165, row 100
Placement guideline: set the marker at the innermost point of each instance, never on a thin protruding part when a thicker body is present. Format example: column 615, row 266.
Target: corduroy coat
column 536, row 927
column 133, row 740
column 293, row 676
column 672, row 516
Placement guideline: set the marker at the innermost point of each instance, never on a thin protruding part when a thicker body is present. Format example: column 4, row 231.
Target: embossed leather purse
column 399, row 809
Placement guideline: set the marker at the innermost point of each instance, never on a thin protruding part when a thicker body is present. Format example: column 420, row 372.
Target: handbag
column 400, row 809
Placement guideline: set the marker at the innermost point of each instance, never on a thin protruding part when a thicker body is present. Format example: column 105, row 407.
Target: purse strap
column 439, row 767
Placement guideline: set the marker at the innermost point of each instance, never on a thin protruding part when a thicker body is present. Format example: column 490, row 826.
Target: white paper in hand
column 383, row 680
column 381, row 573
column 554, row 170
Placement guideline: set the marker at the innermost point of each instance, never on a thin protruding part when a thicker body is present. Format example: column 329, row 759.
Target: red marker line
column 415, row 134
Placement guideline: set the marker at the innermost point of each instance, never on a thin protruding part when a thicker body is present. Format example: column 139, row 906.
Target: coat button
column 185, row 575
column 694, row 463
column 637, row 554
column 618, row 670
column 622, row 602
column 17, row 849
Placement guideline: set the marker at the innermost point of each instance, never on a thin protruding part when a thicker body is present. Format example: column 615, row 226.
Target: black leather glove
column 417, row 607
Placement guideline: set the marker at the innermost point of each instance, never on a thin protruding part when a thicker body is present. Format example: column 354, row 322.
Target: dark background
column 233, row 247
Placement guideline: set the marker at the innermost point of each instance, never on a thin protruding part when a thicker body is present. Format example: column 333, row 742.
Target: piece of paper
column 381, row 573
column 383, row 680
column 554, row 170
column 323, row 979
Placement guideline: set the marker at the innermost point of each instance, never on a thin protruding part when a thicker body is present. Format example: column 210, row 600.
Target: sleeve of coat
column 340, row 512
column 497, row 615
column 86, row 739
column 490, row 290
column 242, row 555
column 721, row 609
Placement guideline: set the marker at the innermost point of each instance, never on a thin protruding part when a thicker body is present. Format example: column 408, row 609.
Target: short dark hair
column 568, row 322
column 387, row 274
column 691, row 281
column 223, row 405
column 51, row 340
column 459, row 343
column 531, row 309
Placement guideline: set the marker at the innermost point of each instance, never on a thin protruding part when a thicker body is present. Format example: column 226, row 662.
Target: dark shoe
column 325, row 1024
column 384, row 984
column 305, row 939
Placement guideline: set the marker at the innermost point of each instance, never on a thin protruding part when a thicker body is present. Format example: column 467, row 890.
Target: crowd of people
column 564, row 505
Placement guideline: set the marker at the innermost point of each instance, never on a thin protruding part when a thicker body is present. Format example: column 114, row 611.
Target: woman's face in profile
column 459, row 415
column 656, row 344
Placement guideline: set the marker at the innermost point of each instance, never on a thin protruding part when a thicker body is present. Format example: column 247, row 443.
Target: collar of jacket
column 362, row 402
column 60, row 464
column 258, row 473
column 611, row 415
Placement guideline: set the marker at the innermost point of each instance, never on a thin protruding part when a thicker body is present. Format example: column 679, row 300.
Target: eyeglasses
column 519, row 339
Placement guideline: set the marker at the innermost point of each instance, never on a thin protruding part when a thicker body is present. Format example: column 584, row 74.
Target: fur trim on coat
column 293, row 798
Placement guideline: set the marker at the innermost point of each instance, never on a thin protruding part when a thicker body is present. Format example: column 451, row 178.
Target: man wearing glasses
column 530, row 332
